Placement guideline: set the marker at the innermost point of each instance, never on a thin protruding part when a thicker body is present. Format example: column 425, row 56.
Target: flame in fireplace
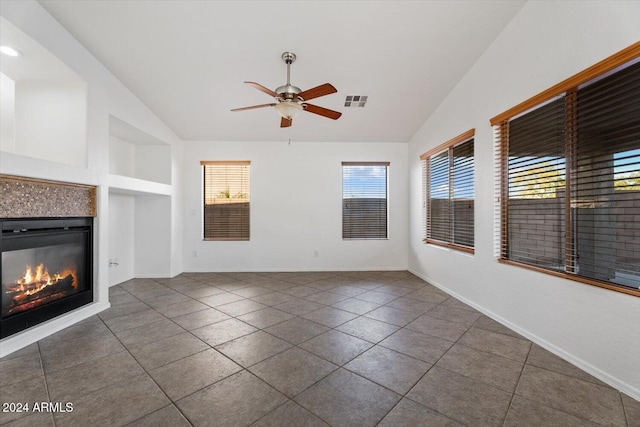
column 37, row 286
column 35, row 280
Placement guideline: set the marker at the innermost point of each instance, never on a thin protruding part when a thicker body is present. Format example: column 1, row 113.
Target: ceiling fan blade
column 263, row 89
column 253, row 106
column 285, row 123
column 335, row 115
column 318, row 91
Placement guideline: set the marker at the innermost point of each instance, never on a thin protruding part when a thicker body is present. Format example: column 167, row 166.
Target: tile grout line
column 624, row 410
column 46, row 384
column 506, row 414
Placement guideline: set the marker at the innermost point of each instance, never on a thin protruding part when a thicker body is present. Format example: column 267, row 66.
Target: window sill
column 575, row 278
column 207, row 239
column 450, row 246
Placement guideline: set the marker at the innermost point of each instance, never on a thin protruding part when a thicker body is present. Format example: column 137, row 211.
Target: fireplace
column 46, row 270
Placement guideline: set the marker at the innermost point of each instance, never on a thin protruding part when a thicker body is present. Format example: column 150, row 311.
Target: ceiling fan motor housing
column 288, row 92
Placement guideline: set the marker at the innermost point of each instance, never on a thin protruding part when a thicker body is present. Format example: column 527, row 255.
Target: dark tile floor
column 299, row 349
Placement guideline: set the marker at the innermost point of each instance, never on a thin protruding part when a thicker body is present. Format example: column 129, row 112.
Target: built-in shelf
column 136, row 154
column 119, row 184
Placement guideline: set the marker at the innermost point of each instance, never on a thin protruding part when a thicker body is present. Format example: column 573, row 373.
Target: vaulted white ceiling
column 187, row 60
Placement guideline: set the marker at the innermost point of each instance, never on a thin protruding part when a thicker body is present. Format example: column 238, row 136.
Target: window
column 570, row 177
column 364, row 200
column 449, row 193
column 226, row 200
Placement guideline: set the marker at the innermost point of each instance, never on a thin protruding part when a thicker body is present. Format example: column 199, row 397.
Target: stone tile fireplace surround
column 32, row 198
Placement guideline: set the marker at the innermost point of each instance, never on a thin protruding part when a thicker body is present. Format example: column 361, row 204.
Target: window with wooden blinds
column 570, row 177
column 226, row 200
column 364, row 200
column 448, row 180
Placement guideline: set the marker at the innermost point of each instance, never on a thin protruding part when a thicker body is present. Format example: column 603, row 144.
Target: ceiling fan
column 290, row 100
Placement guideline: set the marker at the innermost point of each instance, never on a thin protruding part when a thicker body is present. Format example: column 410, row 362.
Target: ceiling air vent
column 355, row 101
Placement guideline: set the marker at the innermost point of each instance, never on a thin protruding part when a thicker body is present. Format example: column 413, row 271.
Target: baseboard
column 151, row 276
column 293, row 270
column 571, row 358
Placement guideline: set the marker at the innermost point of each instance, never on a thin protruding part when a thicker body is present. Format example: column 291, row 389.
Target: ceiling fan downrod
column 288, row 92
column 289, row 58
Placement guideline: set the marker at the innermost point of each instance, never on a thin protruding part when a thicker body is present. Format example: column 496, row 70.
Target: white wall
column 153, row 163
column 545, row 43
column 178, row 219
column 7, row 114
column 51, row 121
column 296, row 208
column 121, row 232
column 149, row 162
column 152, row 237
column 121, row 155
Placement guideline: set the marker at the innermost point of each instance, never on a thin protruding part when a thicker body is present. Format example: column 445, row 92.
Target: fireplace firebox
column 46, row 270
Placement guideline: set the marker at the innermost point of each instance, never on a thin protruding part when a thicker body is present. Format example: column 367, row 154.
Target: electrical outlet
column 194, row 254
column 315, row 253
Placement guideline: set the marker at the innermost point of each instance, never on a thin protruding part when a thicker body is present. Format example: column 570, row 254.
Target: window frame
column 567, row 88
column 387, row 166
column 425, row 158
column 203, row 165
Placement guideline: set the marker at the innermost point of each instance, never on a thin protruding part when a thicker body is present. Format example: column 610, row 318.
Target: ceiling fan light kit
column 290, row 100
column 288, row 109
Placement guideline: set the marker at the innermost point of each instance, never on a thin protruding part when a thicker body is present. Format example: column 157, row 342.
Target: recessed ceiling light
column 9, row 51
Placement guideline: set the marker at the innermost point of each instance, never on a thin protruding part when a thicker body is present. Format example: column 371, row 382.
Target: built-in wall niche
column 43, row 103
column 136, row 154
